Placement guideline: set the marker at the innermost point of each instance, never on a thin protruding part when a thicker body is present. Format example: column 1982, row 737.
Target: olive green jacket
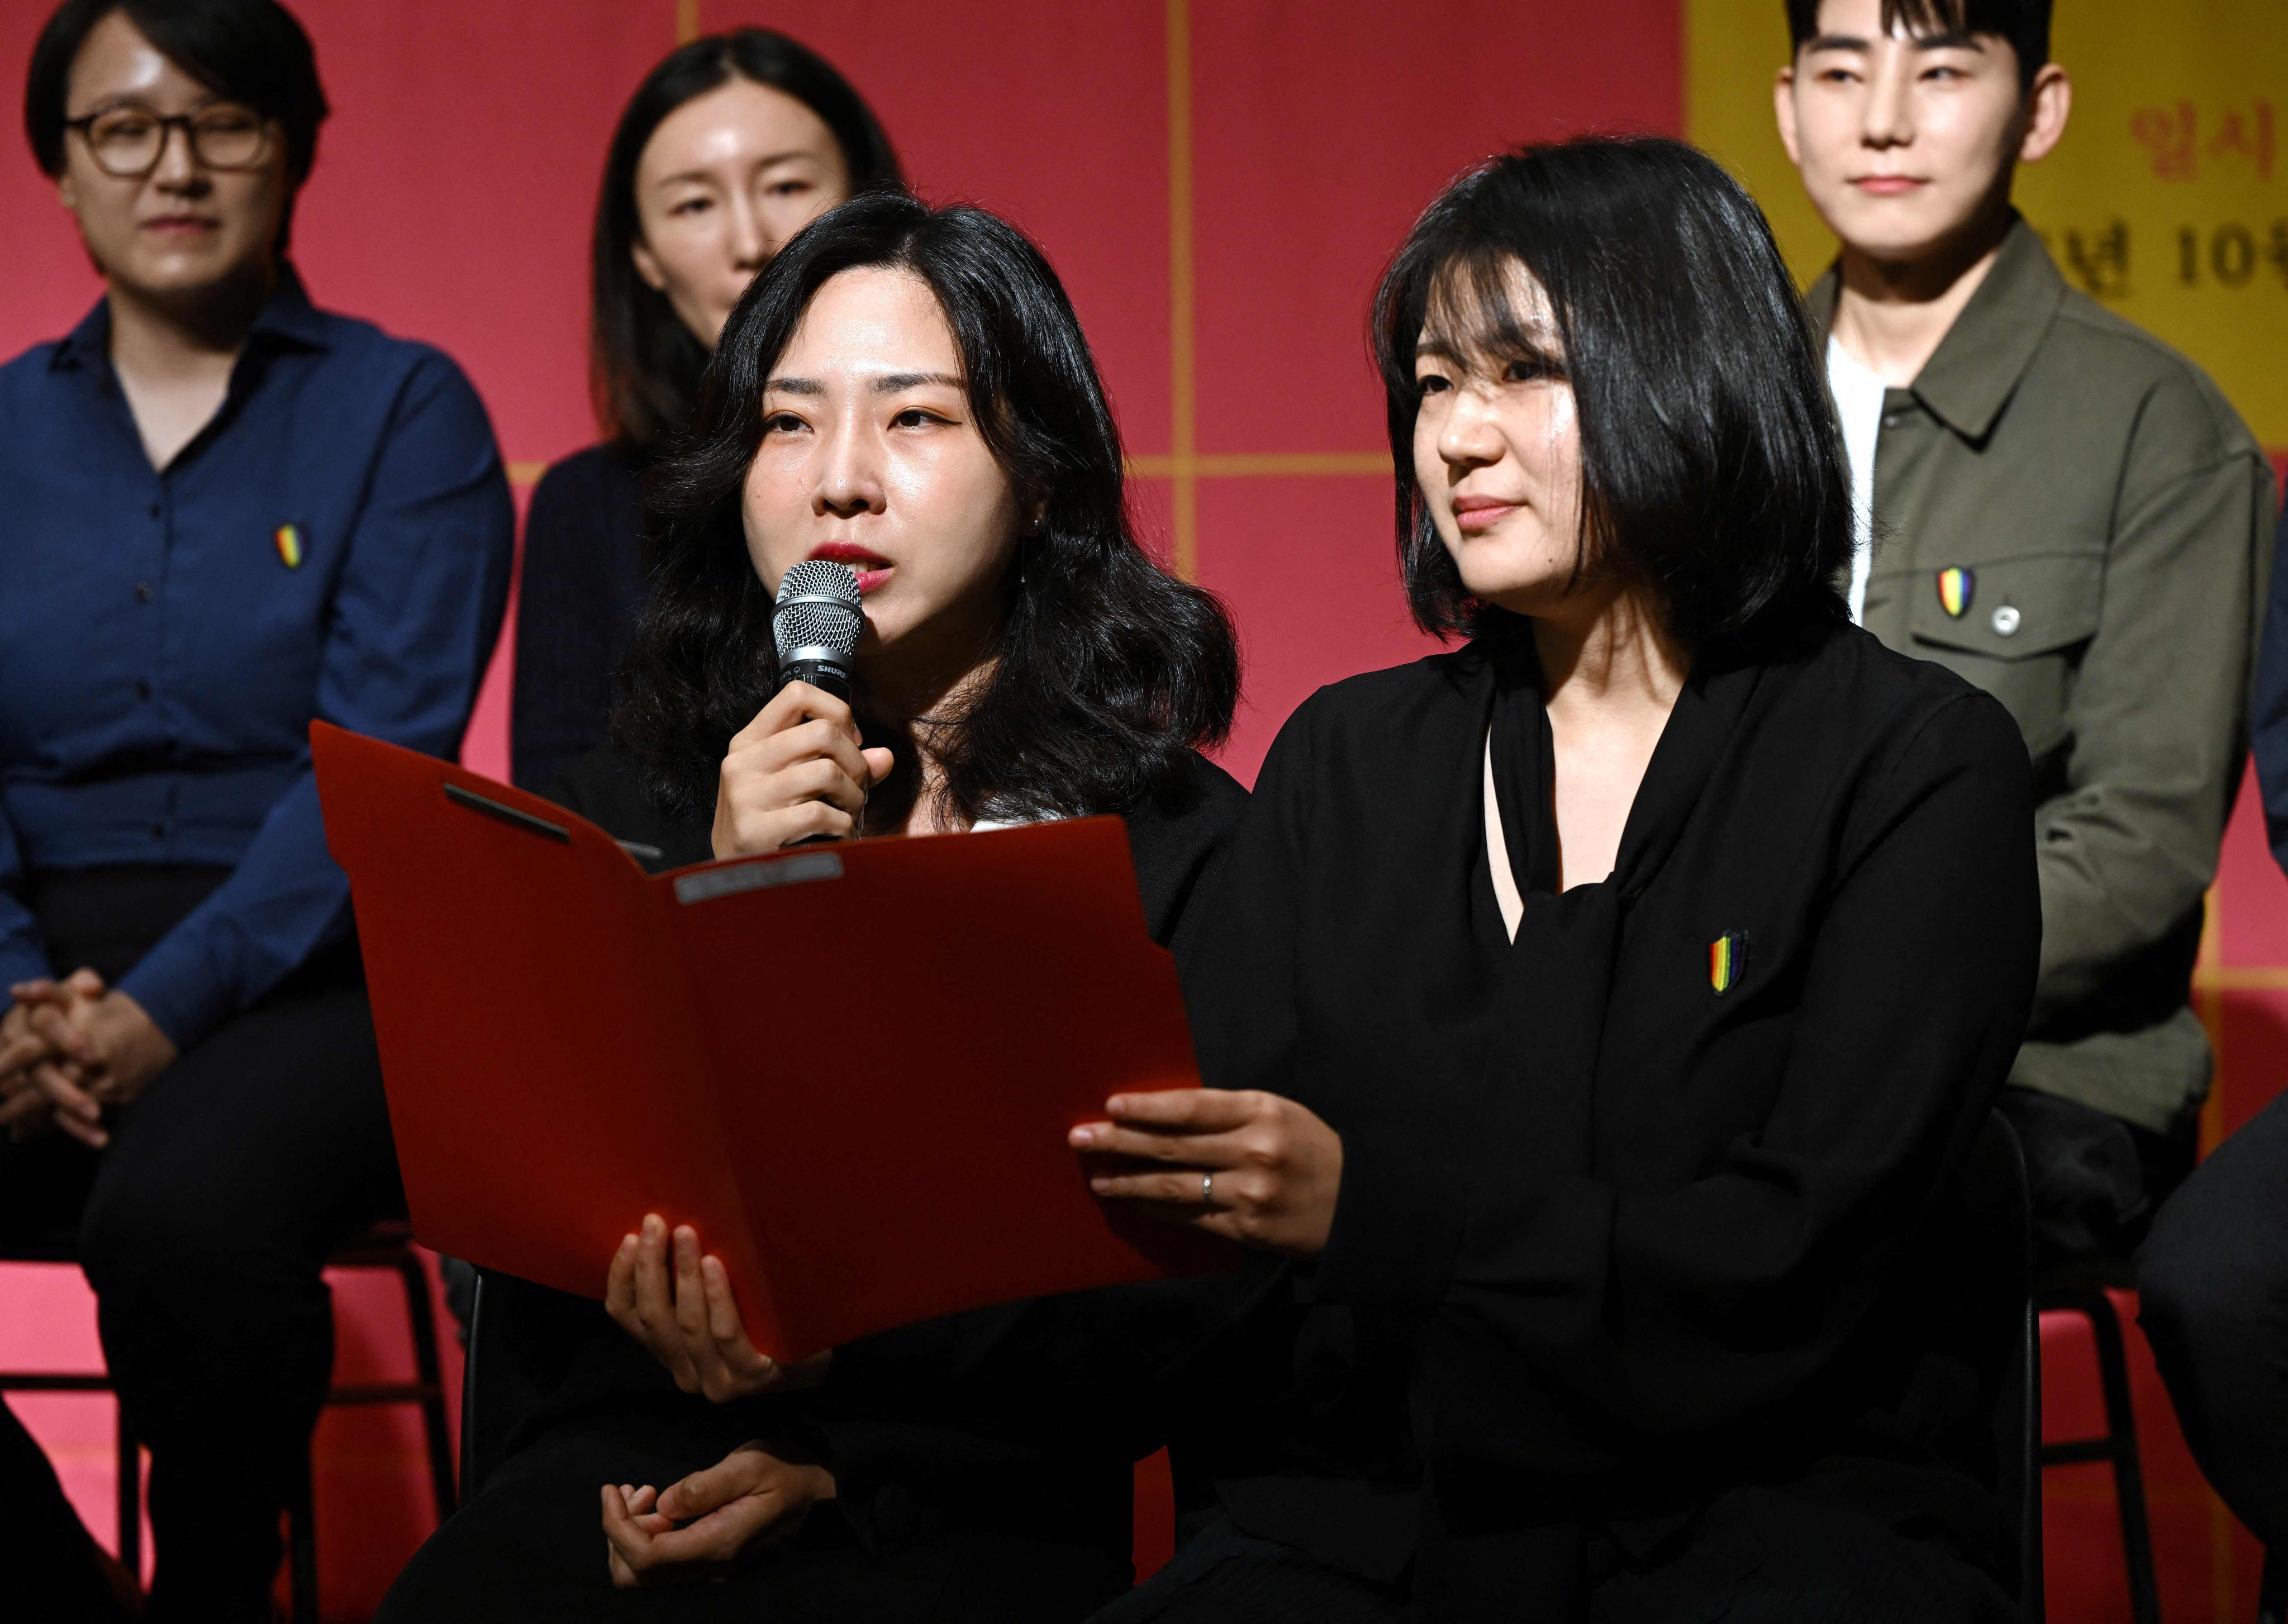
column 2070, row 515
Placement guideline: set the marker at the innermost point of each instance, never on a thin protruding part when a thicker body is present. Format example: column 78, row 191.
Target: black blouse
column 994, row 1418
column 1631, row 1207
column 584, row 577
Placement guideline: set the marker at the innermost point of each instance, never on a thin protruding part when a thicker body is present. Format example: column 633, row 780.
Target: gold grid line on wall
column 1184, row 423
column 1183, row 465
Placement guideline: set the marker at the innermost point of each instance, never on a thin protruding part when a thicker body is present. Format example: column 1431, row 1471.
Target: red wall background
column 1217, row 183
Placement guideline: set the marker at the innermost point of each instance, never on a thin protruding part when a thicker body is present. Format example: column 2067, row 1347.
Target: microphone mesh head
column 818, row 607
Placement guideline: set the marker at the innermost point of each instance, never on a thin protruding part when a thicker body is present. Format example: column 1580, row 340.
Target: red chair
column 385, row 1246
column 2080, row 1289
column 62, row 1248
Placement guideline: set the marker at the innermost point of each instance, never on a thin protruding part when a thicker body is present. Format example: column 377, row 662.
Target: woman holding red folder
column 906, row 391
column 1623, row 988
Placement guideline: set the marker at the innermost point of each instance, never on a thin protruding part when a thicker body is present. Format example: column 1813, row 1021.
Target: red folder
column 851, row 1067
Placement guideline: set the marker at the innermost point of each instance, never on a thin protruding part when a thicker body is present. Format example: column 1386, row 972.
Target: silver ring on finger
column 1207, row 1190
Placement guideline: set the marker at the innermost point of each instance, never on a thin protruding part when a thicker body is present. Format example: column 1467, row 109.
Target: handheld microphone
column 816, row 621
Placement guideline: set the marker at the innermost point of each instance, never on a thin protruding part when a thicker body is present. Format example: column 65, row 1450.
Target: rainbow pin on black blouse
column 1727, row 960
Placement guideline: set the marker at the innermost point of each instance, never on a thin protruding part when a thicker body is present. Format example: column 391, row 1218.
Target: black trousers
column 1754, row 1557
column 530, row 1547
column 2213, row 1293
column 204, row 1226
column 2094, row 1180
column 54, row 1570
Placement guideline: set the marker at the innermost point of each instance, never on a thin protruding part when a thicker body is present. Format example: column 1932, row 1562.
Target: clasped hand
column 67, row 1050
column 1255, row 1167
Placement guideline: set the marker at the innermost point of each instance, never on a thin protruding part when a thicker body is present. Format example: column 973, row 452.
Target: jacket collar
column 1979, row 363
column 1716, row 694
column 287, row 317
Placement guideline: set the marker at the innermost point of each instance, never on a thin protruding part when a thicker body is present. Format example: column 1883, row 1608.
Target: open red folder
column 851, row 1066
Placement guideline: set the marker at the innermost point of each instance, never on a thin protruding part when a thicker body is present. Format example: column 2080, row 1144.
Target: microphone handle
column 826, row 676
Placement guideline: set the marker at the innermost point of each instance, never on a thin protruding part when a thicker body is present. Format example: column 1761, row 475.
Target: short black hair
column 252, row 52
column 2024, row 23
column 1711, row 467
column 644, row 364
column 1105, row 670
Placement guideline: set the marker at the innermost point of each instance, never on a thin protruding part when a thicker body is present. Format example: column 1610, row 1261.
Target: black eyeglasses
column 128, row 141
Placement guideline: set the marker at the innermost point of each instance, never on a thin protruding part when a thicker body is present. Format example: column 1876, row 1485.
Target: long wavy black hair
column 1105, row 670
column 643, row 363
column 1711, row 465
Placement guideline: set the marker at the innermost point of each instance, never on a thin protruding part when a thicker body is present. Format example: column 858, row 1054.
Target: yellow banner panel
column 2168, row 199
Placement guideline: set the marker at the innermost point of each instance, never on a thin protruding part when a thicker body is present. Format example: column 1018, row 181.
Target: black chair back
column 523, row 1339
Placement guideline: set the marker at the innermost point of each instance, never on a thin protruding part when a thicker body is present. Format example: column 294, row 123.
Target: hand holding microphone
column 799, row 771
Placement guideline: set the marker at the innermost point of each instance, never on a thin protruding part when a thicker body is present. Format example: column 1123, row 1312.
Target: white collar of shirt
column 1859, row 404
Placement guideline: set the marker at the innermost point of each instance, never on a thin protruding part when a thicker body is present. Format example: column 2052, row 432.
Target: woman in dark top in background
column 227, row 512
column 909, row 391
column 1603, row 1004
column 729, row 147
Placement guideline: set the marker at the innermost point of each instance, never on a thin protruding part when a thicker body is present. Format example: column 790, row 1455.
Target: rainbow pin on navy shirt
column 289, row 543
column 1956, row 587
column 1727, row 960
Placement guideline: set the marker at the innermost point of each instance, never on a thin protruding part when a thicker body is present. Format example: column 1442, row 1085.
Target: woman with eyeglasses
column 227, row 513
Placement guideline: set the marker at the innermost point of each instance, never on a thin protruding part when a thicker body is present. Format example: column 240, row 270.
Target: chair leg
column 429, row 1370
column 2128, row 1474
column 302, row 1547
column 129, row 1492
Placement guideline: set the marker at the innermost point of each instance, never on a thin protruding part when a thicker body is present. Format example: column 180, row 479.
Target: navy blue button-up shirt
column 336, row 542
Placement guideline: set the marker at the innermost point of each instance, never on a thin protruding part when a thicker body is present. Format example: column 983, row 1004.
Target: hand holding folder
column 851, row 1068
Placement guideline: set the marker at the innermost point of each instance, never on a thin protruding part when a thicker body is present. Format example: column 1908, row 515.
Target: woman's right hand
column 682, row 1312
column 796, row 771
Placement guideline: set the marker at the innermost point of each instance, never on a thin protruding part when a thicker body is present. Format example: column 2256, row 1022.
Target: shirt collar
column 287, row 315
column 1978, row 364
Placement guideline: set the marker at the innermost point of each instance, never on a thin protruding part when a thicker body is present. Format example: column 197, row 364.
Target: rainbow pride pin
column 1727, row 960
column 290, row 545
column 1955, row 586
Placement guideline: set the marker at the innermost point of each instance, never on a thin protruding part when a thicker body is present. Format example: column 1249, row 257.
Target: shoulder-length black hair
column 644, row 364
column 252, row 51
column 1105, row 668
column 1711, row 466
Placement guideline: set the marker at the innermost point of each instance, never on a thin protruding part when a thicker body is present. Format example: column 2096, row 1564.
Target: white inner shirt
column 1859, row 403
column 1505, row 892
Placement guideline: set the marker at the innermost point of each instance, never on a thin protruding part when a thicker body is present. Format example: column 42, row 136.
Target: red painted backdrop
column 1218, row 184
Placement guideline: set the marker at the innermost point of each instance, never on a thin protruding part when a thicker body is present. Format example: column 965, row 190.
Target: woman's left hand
column 1255, row 1167
column 694, row 1527
column 684, row 1315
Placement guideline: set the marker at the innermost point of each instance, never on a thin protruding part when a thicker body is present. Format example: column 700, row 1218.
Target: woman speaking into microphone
column 1612, row 995
column 904, row 392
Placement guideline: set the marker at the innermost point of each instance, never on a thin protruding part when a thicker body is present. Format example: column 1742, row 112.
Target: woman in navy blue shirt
column 227, row 512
